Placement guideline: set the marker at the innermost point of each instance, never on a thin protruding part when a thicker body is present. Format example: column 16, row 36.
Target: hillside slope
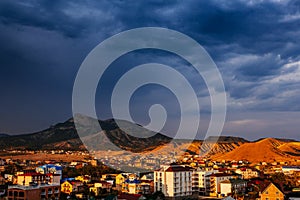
column 64, row 136
column 267, row 150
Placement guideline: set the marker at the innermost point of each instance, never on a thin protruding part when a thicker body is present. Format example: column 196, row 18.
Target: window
column 21, row 194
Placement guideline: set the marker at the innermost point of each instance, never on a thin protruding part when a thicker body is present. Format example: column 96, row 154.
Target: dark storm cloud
column 254, row 43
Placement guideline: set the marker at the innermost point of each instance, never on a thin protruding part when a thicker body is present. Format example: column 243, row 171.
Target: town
column 191, row 177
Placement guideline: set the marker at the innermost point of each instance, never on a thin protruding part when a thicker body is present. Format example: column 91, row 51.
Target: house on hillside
column 271, row 192
column 69, row 187
column 247, row 173
column 132, row 185
column 120, row 179
column 101, row 187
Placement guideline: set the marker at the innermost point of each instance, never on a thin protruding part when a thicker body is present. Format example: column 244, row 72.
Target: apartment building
column 247, row 173
column 175, row 181
column 36, row 192
column 29, row 178
column 213, row 182
column 199, row 181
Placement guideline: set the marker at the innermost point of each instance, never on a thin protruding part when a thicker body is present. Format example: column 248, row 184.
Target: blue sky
column 255, row 44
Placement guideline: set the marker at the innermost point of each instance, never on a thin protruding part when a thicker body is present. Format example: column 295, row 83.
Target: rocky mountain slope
column 64, row 136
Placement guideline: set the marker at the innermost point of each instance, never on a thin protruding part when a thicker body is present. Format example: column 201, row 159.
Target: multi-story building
column 120, row 179
column 175, row 181
column 233, row 187
column 198, row 180
column 69, row 187
column 50, row 169
column 147, row 183
column 131, row 185
column 290, row 169
column 27, row 179
column 247, row 173
column 36, row 192
column 213, row 182
column 100, row 186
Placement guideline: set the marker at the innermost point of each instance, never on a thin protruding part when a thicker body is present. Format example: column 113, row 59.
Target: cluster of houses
column 174, row 181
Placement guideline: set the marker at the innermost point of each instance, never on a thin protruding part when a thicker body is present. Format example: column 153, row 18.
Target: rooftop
column 31, row 187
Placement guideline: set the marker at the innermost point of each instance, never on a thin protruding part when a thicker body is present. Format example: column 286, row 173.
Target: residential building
column 84, row 179
column 198, row 180
column 271, row 192
column 36, row 192
column 290, row 169
column 120, row 179
column 213, row 182
column 37, row 178
column 50, row 169
column 233, row 187
column 131, row 185
column 247, row 173
column 174, row 181
column 69, row 187
column 101, row 186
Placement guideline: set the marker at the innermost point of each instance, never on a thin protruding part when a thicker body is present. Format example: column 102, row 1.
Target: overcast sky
column 255, row 44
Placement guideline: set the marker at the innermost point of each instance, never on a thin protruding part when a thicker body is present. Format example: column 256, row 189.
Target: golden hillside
column 266, row 150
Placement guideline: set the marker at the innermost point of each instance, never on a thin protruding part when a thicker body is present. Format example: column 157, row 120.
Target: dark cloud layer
column 254, row 43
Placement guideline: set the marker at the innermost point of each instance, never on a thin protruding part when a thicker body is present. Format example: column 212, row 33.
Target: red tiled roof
column 178, row 169
column 31, row 174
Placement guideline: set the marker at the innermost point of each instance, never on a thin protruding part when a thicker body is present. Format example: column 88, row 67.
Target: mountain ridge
column 64, row 136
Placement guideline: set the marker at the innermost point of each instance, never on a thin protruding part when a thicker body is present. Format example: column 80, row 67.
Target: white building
column 213, row 182
column 199, row 182
column 50, row 168
column 175, row 181
column 247, row 173
column 290, row 169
